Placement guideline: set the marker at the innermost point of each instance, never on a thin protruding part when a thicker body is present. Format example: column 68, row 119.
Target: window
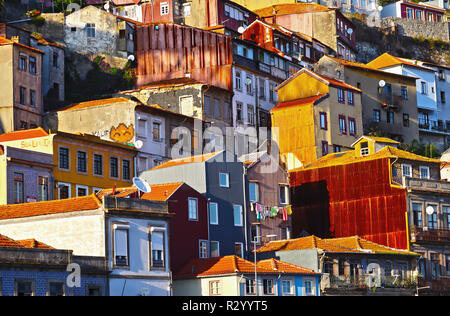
column 98, row 164
column 142, row 128
column 432, row 219
column 23, row 95
column 406, row 120
column 213, row 213
column 446, row 216
column 32, row 98
column 250, row 288
column 443, row 97
column 351, row 126
column 271, row 92
column 186, row 9
column 342, row 124
column 33, row 65
column 81, row 161
column 387, row 269
column 90, row 30
column 214, row 288
column 63, row 190
column 323, row 120
column 350, row 98
column 341, row 96
column 215, row 251
column 64, row 158
column 157, row 245
column 417, row 214
column 156, row 128
column 224, row 180
column 308, row 287
column 423, row 87
column 23, row 62
column 447, row 265
column 238, row 215
column 56, row 289
column 249, row 84
column 216, row 107
column 410, row 13
column 390, row 117
column 239, row 112
column 203, row 249
column 193, row 209
column 435, row 266
column 418, row 14
column 286, row 287
column 262, row 89
column 337, row 148
column 113, row 167
column 24, row 288
column 82, row 190
column 324, row 148
column 43, row 189
column 207, row 102
column 239, row 249
column 406, row 170
column 253, row 188
column 237, row 81
column 19, row 193
column 164, row 6
column 268, row 287
column 250, row 115
column 284, row 194
column 23, row 124
column 424, row 172
column 376, row 116
column 341, row 266
column 126, row 169
column 121, row 246
column 55, row 60
column 404, row 92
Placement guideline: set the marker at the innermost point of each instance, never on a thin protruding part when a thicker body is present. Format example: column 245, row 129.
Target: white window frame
column 142, row 133
column 256, row 186
column 242, row 249
column 286, row 193
column 424, row 168
column 410, row 170
column 190, row 218
column 227, row 184
column 164, row 8
column 203, row 252
column 313, row 287
column 126, row 228
column 161, row 230
column 80, row 186
column 241, row 221
column 291, row 287
column 273, row 287
column 130, row 171
column 217, row 213
column 160, row 129
column 67, row 185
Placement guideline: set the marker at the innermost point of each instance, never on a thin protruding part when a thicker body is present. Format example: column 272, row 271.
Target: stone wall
column 418, row 28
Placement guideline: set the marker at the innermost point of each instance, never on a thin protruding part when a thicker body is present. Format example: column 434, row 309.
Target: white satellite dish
column 72, row 7
column 380, row 8
column 142, row 185
column 350, row 31
column 138, row 144
column 131, row 58
column 429, row 210
column 241, row 29
column 106, row 6
column 382, row 83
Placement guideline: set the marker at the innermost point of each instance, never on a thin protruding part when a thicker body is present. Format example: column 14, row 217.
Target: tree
column 427, row 150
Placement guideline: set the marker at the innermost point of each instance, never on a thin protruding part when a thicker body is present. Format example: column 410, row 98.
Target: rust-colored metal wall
column 169, row 51
column 361, row 201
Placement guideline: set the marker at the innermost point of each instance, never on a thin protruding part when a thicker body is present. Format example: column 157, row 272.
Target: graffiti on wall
column 122, row 133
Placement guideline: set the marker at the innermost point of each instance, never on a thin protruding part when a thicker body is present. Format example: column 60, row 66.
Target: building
column 327, row 113
column 234, row 276
column 389, row 100
column 147, row 11
column 443, row 4
column 309, row 19
column 427, row 99
column 350, row 265
column 382, row 194
column 221, row 179
column 132, row 234
column 410, row 10
column 188, row 228
column 32, row 268
column 82, row 164
column 21, row 102
column 268, row 187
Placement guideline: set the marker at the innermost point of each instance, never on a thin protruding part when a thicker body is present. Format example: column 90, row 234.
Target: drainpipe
column 244, row 173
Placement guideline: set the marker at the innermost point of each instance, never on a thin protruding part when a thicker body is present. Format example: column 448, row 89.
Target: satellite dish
column 382, row 83
column 350, row 31
column 73, row 7
column 106, row 6
column 138, row 144
column 429, row 210
column 380, row 8
column 142, row 185
column 241, row 29
column 131, row 58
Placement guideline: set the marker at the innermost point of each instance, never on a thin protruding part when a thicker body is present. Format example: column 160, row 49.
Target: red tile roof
column 160, row 192
column 85, row 203
column 234, row 264
column 23, row 134
column 297, row 102
column 291, row 8
column 4, row 41
column 93, row 103
column 7, row 242
column 186, row 160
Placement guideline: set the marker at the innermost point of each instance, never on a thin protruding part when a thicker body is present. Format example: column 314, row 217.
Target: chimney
column 3, row 29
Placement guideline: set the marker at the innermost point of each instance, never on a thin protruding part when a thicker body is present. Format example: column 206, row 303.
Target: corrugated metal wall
column 361, row 201
column 169, row 51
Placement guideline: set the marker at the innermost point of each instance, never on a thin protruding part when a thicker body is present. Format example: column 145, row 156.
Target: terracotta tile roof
column 33, row 243
column 9, row 243
column 291, row 8
column 379, row 139
column 233, row 264
column 93, row 103
column 387, row 60
column 125, row 2
column 170, row 83
column 85, row 203
column 297, row 102
column 5, row 41
column 353, row 244
column 186, row 160
column 160, row 192
column 339, row 83
column 23, row 134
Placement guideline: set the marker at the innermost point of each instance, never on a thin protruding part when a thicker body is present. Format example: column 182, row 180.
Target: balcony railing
column 427, row 185
column 442, row 285
column 430, row 234
column 362, row 282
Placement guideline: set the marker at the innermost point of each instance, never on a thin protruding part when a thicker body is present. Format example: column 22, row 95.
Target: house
column 382, row 194
column 410, row 10
column 389, row 100
column 129, row 122
column 309, row 19
column 188, row 228
column 326, row 111
column 131, row 234
column 82, row 164
column 32, row 268
column 146, row 11
column 21, row 102
column 427, row 100
column 268, row 187
column 350, row 265
column 220, row 178
column 234, row 276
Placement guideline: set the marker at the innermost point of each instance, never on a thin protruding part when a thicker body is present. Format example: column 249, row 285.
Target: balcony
column 426, row 185
column 419, row 234
column 433, row 126
column 392, row 103
column 441, row 286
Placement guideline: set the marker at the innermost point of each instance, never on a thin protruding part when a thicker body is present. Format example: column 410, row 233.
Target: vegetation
column 427, row 150
column 61, row 5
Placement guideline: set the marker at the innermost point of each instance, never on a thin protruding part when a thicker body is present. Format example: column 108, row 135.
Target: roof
column 184, row 81
column 233, row 264
column 377, row 139
column 4, row 41
column 6, row 242
column 94, row 103
column 297, row 102
column 424, row 5
column 291, row 8
column 386, row 60
column 23, row 134
column 159, row 192
column 42, row 41
column 85, row 203
column 125, row 2
column 353, row 244
column 186, row 160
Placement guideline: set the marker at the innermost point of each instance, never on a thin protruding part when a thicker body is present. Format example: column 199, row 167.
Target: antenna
column 142, row 185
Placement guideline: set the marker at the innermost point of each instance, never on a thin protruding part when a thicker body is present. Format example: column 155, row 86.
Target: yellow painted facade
column 301, row 86
column 260, row 4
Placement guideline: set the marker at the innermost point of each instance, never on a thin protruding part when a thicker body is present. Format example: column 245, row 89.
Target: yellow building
column 260, row 4
column 316, row 115
column 83, row 164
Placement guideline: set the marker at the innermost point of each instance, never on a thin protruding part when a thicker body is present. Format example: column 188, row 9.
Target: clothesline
column 263, row 211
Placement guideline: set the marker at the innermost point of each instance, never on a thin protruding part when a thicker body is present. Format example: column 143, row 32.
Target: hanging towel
column 274, row 211
column 285, row 217
column 252, row 209
column 289, row 210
